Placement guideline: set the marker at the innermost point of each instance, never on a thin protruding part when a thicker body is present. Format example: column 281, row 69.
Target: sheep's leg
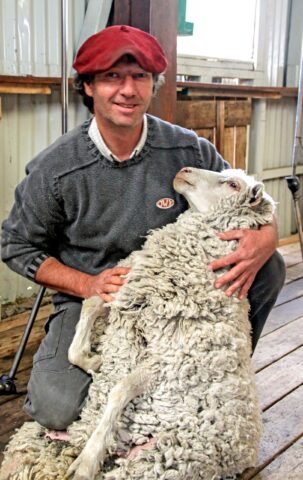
column 80, row 350
column 86, row 466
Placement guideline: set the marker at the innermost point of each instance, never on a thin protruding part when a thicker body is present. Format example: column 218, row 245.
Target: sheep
column 172, row 355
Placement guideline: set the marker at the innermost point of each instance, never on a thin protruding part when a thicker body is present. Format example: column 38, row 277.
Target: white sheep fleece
column 192, row 344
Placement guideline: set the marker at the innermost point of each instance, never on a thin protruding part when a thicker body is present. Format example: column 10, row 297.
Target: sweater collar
column 96, row 137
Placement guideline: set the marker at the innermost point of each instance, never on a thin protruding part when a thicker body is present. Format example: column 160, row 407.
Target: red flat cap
column 102, row 50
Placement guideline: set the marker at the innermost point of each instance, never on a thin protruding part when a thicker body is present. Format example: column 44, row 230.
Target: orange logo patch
column 165, row 203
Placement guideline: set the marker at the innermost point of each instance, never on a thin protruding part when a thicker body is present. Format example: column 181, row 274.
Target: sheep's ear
column 256, row 194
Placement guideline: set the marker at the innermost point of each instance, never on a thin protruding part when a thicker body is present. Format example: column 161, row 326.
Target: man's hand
column 107, row 282
column 255, row 248
column 54, row 274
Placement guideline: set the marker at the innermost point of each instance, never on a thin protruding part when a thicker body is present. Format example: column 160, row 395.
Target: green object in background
column 184, row 27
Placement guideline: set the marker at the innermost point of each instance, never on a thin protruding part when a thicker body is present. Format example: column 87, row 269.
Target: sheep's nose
column 186, row 169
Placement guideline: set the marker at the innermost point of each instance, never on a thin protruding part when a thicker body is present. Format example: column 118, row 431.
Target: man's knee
column 57, row 389
column 264, row 292
column 56, row 400
column 269, row 281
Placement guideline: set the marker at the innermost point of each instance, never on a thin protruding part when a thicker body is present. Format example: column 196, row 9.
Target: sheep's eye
column 234, row 185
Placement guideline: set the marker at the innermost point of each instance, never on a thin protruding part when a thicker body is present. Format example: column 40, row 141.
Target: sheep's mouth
column 183, row 179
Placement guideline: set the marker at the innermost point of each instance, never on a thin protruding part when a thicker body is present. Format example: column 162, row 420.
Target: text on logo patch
column 165, row 203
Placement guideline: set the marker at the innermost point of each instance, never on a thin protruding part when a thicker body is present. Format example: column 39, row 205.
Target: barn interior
column 235, row 77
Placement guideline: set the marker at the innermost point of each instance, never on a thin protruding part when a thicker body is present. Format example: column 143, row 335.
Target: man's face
column 121, row 95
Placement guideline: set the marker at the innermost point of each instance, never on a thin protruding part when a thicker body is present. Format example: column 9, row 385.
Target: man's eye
column 112, row 75
column 140, row 75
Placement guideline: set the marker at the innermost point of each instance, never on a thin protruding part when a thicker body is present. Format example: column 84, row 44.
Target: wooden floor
column 278, row 362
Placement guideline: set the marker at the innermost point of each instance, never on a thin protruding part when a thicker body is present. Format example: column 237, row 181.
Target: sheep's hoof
column 82, row 468
column 88, row 363
column 92, row 363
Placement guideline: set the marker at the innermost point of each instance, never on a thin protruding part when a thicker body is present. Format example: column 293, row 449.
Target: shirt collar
column 97, row 138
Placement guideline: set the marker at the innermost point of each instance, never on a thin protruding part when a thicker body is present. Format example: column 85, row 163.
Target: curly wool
column 194, row 341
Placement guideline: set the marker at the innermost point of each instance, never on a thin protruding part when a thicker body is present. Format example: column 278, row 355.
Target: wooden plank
column 287, row 466
column 290, row 292
column 291, row 247
column 284, row 242
column 274, row 346
column 20, row 320
column 220, row 115
column 208, row 133
column 25, row 89
column 292, row 255
column 163, row 104
column 221, row 90
column 11, row 415
column 228, row 149
column 21, row 382
column 26, row 361
column 241, row 145
column 282, row 427
column 9, row 348
column 283, row 314
column 294, row 273
column 280, row 378
column 237, row 113
column 196, row 115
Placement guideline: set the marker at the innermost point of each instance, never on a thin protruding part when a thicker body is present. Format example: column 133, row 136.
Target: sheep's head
column 204, row 189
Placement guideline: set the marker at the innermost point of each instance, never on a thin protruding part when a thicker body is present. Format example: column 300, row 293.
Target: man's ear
column 88, row 88
column 256, row 194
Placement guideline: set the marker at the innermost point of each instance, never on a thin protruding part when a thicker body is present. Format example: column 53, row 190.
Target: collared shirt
column 97, row 138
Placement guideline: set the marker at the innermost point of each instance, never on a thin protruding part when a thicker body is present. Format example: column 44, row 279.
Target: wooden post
column 159, row 18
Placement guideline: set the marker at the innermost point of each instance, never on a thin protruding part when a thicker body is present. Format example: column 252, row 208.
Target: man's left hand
column 255, row 248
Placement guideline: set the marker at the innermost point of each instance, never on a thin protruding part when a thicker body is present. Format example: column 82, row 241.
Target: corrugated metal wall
column 273, row 122
column 30, row 35
column 31, row 45
column 29, row 124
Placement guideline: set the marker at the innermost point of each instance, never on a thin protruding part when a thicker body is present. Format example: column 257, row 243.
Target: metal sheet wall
column 29, row 124
column 30, row 35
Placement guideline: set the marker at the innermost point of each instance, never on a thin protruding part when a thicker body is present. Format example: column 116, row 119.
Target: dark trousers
column 57, row 390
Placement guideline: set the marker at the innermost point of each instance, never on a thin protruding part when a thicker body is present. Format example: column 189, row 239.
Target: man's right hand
column 53, row 274
column 107, row 282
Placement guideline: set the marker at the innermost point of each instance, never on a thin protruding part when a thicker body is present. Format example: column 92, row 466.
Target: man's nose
column 128, row 86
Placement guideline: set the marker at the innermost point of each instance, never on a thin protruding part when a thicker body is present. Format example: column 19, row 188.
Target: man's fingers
column 230, row 259
column 107, row 298
column 230, row 276
column 118, row 271
column 232, row 234
column 109, row 288
column 115, row 280
column 238, row 284
column 245, row 288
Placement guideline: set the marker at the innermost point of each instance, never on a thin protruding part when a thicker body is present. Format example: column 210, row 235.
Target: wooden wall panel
column 240, row 147
column 196, row 114
column 208, row 133
column 228, row 145
column 222, row 121
column 237, row 112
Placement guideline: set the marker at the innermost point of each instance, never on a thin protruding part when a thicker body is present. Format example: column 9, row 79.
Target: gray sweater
column 90, row 212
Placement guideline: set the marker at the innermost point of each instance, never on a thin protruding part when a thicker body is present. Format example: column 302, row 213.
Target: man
column 89, row 199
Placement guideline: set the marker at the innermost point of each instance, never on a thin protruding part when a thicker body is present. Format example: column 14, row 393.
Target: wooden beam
column 160, row 19
column 288, row 240
column 240, row 91
column 25, row 89
column 220, row 105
